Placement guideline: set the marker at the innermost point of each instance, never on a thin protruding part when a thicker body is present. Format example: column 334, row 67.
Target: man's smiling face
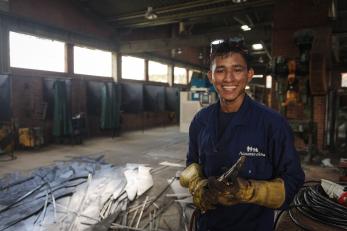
column 229, row 75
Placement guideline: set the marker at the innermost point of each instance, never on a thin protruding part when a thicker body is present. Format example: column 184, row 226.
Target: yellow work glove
column 193, row 179
column 269, row 193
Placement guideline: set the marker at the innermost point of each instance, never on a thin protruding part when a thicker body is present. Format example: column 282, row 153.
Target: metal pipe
column 239, row 20
column 249, row 20
column 168, row 9
column 199, row 13
column 266, row 50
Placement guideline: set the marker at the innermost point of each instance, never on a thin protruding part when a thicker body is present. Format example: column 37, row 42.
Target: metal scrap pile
column 80, row 194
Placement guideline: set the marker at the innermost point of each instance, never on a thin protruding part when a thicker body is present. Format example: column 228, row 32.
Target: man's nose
column 229, row 76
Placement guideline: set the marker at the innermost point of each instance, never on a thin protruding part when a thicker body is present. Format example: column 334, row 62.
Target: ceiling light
column 257, row 76
column 217, row 41
column 247, row 87
column 239, row 1
column 150, row 15
column 245, row 27
column 257, row 46
column 179, row 51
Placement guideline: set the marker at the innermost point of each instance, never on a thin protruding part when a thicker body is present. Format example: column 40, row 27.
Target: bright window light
column 158, row 72
column 245, row 28
column 133, row 68
column 257, row 46
column 27, row 51
column 190, row 74
column 180, row 75
column 343, row 79
column 258, row 76
column 268, row 81
column 92, row 62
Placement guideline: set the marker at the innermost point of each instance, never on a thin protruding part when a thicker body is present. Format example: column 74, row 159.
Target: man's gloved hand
column 193, row 179
column 270, row 193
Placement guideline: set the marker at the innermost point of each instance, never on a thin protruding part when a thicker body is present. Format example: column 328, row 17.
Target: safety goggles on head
column 227, row 45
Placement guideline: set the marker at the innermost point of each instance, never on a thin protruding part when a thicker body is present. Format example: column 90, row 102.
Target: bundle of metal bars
column 80, row 194
column 89, row 191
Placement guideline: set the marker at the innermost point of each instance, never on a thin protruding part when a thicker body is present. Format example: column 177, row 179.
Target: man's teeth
column 229, row 87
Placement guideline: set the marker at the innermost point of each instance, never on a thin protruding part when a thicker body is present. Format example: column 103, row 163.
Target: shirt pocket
column 257, row 168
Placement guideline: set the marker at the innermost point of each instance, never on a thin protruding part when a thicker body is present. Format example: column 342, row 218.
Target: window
column 191, row 72
column 92, row 61
column 158, row 72
column 180, row 75
column 343, row 79
column 27, row 51
column 133, row 68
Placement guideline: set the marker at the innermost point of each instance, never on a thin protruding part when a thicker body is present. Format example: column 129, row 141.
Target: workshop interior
column 97, row 96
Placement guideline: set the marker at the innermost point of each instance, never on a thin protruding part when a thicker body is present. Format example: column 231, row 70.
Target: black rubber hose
column 312, row 202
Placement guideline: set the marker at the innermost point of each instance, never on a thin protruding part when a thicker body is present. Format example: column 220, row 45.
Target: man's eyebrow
column 219, row 66
column 238, row 65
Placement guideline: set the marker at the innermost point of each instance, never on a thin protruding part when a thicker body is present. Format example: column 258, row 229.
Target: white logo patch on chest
column 252, row 151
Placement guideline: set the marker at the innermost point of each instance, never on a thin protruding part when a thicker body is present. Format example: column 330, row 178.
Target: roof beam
column 137, row 20
column 139, row 46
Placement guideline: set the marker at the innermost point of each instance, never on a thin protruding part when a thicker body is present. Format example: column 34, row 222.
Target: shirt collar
column 241, row 116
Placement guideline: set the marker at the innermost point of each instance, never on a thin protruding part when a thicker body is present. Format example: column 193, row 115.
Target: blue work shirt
column 262, row 135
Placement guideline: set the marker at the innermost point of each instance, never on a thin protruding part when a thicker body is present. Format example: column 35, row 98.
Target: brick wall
column 28, row 96
column 289, row 17
column 60, row 13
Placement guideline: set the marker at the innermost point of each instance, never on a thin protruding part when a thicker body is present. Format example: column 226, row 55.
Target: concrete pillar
column 4, row 47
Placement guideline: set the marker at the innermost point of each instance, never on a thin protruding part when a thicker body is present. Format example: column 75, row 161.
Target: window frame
column 145, row 71
column 32, row 70
column 91, row 48
column 168, row 72
column 173, row 74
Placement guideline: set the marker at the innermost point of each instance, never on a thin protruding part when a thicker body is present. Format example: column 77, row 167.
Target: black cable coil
column 315, row 204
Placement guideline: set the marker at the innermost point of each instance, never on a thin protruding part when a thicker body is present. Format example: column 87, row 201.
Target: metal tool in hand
column 230, row 176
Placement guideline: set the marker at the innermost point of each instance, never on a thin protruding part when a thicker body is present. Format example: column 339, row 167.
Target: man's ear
column 250, row 74
column 209, row 75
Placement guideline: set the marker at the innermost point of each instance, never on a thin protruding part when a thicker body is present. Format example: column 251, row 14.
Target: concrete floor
column 146, row 147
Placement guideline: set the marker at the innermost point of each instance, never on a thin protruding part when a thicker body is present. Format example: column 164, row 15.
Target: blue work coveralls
column 262, row 135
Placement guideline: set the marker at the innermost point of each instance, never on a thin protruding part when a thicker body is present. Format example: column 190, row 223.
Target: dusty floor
column 146, row 147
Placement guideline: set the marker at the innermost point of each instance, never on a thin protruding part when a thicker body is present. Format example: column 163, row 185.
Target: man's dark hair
column 230, row 45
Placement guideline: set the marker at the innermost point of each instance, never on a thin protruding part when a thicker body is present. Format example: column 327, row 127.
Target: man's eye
column 219, row 70
column 238, row 70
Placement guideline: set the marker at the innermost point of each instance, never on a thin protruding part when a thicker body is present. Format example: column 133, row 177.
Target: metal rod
column 143, row 207
column 82, row 202
column 133, row 218
column 118, row 226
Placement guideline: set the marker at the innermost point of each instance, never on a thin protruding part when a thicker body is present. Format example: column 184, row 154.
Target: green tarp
column 62, row 116
column 110, row 106
column 5, row 110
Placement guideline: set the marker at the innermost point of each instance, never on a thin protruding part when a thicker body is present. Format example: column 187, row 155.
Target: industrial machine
column 201, row 94
column 30, row 137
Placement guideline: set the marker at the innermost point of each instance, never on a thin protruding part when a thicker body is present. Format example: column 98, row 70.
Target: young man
column 234, row 126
